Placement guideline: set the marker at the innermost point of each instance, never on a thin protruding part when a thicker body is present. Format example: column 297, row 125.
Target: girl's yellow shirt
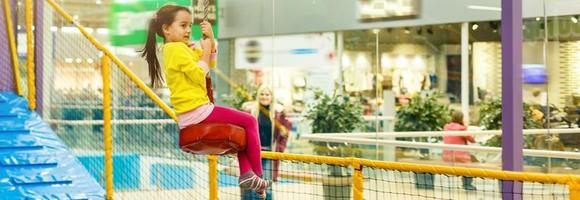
column 185, row 76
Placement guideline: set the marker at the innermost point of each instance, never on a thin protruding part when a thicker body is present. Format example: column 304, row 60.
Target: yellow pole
column 12, row 43
column 357, row 180
column 107, row 134
column 213, row 185
column 30, row 57
column 574, row 187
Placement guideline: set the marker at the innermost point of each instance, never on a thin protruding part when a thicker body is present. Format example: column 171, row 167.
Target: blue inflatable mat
column 34, row 162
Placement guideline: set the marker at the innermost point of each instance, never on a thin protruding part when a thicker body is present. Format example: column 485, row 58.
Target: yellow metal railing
column 12, row 44
column 358, row 165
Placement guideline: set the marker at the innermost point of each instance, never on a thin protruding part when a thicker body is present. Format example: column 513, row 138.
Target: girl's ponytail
column 150, row 54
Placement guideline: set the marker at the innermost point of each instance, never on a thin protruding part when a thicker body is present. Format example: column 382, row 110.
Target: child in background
column 457, row 124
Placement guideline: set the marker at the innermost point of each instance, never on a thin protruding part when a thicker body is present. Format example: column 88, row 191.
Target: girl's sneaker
column 251, row 181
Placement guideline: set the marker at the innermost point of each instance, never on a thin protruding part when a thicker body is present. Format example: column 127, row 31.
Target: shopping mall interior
column 353, row 99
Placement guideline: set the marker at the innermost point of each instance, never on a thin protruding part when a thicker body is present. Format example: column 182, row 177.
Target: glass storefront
column 386, row 64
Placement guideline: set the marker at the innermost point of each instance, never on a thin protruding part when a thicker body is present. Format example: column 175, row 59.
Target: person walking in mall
column 274, row 129
column 457, row 124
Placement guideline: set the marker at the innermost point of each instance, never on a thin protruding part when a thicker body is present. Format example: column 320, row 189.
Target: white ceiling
column 240, row 18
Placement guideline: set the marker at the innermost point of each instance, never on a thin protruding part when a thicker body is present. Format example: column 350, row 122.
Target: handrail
column 116, row 121
column 12, row 44
column 129, row 108
column 443, row 133
column 365, row 117
column 528, row 152
column 435, row 169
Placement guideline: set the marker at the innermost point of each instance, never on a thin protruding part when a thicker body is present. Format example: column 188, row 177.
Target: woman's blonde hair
column 261, row 89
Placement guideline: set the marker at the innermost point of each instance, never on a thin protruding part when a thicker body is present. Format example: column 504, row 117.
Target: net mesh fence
column 291, row 180
column 304, row 180
column 389, row 184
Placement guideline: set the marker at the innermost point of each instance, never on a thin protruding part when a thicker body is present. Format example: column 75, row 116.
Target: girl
column 457, row 124
column 186, row 69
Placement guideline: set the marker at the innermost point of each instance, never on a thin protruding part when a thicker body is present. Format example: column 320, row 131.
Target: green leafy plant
column 422, row 114
column 334, row 114
column 490, row 119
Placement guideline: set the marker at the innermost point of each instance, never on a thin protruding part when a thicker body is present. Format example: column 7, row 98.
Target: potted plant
column 490, row 119
column 335, row 114
column 423, row 114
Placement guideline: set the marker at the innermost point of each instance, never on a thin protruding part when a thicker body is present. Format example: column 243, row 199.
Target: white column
column 340, row 50
column 377, row 85
column 465, row 70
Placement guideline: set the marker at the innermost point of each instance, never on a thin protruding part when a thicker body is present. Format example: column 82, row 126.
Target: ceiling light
column 99, row 2
column 574, row 19
column 474, row 26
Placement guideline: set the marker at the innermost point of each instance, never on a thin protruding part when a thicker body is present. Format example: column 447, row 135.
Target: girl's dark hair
column 164, row 16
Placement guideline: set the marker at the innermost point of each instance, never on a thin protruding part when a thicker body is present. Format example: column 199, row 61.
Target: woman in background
column 274, row 128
